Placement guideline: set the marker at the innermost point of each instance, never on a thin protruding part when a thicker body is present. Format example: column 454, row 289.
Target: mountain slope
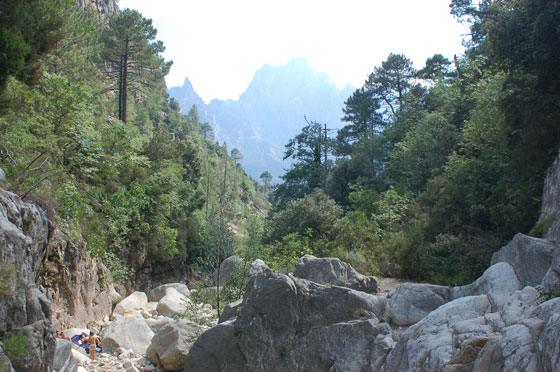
column 270, row 112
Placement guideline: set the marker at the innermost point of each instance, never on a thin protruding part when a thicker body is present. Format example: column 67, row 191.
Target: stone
column 216, row 350
column 529, row 257
column 499, row 282
column 550, row 206
column 548, row 343
column 135, row 303
column 551, row 280
column 413, row 301
column 170, row 346
column 288, row 322
column 429, row 345
column 157, row 324
column 334, row 271
column 173, row 304
column 158, row 293
column 227, row 267
column 231, row 310
column 80, row 356
column 64, row 360
column 130, row 332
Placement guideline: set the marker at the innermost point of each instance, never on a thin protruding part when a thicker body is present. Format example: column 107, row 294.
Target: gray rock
column 171, row 345
column 548, row 342
column 173, row 303
column 550, row 207
column 431, row 344
column 24, row 235
column 64, row 360
column 158, row 293
column 334, row 271
column 413, row 301
column 227, row 267
column 157, row 324
column 135, row 303
column 130, row 332
column 5, row 361
column 231, row 310
column 551, row 280
column 529, row 257
column 2, row 175
column 216, row 350
column 499, row 282
column 258, row 267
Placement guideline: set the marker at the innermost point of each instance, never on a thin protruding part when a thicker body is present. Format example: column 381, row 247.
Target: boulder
column 227, row 267
column 129, row 332
column 231, row 310
column 529, row 257
column 170, row 346
column 432, row 343
column 158, row 293
column 413, row 301
column 157, row 324
column 64, row 360
column 216, row 350
column 550, row 207
column 499, row 282
column 548, row 342
column 135, row 303
column 173, row 304
column 334, row 271
column 288, row 322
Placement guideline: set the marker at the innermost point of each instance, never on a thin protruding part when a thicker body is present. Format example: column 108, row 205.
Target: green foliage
column 7, row 279
column 541, row 227
column 15, row 345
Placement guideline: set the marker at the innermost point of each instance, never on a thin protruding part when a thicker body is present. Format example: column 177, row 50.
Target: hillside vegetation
column 437, row 167
column 87, row 130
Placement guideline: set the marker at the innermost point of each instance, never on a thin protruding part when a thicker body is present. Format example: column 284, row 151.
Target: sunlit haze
column 219, row 44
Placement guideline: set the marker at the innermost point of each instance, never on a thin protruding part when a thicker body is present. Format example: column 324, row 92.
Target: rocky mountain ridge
column 270, row 112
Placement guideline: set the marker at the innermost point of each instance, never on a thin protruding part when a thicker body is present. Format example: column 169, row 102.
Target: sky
column 219, row 44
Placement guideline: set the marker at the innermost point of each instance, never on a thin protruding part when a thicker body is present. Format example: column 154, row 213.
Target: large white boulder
column 173, row 303
column 129, row 332
column 135, row 303
column 170, row 346
column 158, row 293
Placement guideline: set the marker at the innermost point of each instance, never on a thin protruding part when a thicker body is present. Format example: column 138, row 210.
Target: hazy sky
column 219, row 44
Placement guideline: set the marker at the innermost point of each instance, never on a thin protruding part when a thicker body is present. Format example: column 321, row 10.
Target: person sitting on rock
column 63, row 335
column 92, row 342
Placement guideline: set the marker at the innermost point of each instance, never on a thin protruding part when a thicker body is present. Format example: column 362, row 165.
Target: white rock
column 173, row 303
column 130, row 332
column 136, row 302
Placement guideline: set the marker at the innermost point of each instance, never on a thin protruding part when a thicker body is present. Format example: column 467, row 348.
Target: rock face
column 334, row 271
column 75, row 284
column 24, row 233
column 173, row 303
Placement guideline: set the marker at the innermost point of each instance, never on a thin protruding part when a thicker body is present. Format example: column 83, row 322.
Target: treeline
column 438, row 167
column 88, row 131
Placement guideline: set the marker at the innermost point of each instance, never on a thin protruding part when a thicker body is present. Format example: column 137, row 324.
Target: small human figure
column 92, row 342
column 58, row 334
column 63, row 335
column 83, row 338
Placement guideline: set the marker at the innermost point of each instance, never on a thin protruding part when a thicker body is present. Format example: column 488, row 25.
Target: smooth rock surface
column 413, row 301
column 158, row 293
column 170, row 346
column 334, row 271
column 173, row 303
column 135, row 303
column 529, row 257
column 227, row 267
column 231, row 310
column 64, row 360
column 130, row 332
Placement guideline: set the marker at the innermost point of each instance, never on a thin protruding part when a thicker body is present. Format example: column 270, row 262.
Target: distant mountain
column 270, row 112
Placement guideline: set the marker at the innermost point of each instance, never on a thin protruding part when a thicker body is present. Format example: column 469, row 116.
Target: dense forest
column 434, row 171
column 438, row 167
